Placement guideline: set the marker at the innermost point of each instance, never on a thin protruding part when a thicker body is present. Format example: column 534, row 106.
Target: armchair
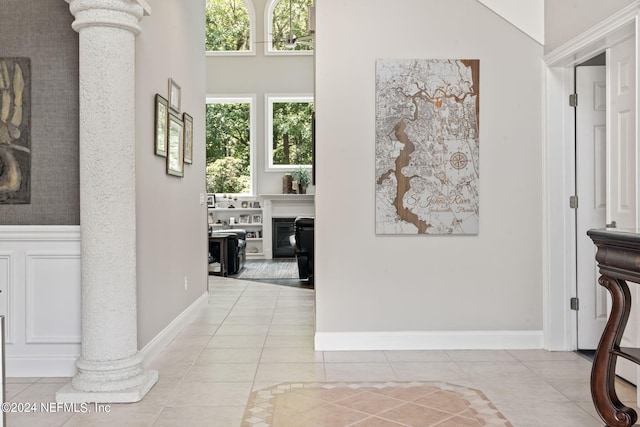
column 303, row 246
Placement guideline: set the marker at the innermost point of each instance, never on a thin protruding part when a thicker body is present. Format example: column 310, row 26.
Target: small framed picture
column 161, row 115
column 244, row 204
column 250, row 235
column 174, row 95
column 243, row 219
column 256, row 204
column 256, row 219
column 188, row 138
column 175, row 146
column 211, row 201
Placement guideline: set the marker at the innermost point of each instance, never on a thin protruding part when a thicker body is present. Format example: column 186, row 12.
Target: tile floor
column 253, row 336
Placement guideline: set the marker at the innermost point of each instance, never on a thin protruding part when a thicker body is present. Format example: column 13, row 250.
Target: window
column 230, row 27
column 230, row 133
column 289, row 131
column 287, row 27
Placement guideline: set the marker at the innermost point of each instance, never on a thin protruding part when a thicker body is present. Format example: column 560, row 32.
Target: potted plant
column 303, row 178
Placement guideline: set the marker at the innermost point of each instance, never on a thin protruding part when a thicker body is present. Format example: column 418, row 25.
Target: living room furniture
column 618, row 258
column 247, row 218
column 302, row 242
column 228, row 247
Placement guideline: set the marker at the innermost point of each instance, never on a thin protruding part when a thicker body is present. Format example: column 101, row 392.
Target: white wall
column 171, row 225
column 565, row 19
column 260, row 75
column 368, row 284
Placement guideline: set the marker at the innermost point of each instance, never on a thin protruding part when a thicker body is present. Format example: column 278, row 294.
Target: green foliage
column 302, row 176
column 292, row 133
column 228, row 148
column 227, row 175
column 227, row 25
column 298, row 27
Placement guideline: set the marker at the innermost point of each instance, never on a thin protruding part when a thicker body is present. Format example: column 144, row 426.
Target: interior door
column 591, row 189
column 621, row 165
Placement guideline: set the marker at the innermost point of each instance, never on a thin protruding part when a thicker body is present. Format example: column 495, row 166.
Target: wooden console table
column 618, row 259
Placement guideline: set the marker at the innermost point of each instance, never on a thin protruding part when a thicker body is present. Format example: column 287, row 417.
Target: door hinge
column 575, row 304
column 573, row 202
column 573, row 100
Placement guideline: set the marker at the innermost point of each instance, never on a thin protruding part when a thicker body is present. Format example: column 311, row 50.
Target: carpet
column 388, row 404
column 286, row 268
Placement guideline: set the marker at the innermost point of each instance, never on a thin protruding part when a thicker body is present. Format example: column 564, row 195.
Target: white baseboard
column 458, row 340
column 40, row 366
column 162, row 340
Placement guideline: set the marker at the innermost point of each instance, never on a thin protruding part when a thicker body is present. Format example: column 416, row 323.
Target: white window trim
column 269, row 99
column 268, row 25
column 251, row 11
column 252, row 100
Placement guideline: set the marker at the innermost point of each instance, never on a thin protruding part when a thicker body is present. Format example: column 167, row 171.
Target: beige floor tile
column 288, row 372
column 428, row 371
column 228, row 355
column 545, row 414
column 230, row 341
column 561, row 369
column 480, row 356
column 285, row 355
column 228, row 416
column 200, row 393
column 130, row 415
column 529, row 390
column 359, row 372
column 305, row 330
column 243, row 372
column 355, row 356
column 539, row 355
column 417, row 356
column 289, row 341
column 507, row 370
column 242, row 330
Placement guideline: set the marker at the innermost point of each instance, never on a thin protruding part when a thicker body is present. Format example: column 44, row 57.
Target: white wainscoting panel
column 40, row 298
column 50, row 276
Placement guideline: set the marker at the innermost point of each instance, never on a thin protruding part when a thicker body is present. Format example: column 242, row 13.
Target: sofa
column 302, row 241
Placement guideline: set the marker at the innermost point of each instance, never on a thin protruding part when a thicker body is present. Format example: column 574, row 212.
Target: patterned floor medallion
column 366, row 404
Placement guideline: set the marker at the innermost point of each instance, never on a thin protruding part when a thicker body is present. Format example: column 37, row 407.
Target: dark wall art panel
column 15, row 130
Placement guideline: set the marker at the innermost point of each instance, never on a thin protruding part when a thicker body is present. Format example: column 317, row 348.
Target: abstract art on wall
column 15, row 135
column 427, row 147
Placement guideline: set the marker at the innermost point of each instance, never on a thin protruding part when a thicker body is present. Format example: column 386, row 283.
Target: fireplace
column 282, row 229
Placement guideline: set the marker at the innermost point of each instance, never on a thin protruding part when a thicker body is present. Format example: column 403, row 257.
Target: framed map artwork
column 427, row 146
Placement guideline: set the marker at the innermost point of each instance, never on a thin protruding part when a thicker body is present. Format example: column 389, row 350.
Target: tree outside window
column 282, row 26
column 228, row 139
column 289, row 131
column 228, row 26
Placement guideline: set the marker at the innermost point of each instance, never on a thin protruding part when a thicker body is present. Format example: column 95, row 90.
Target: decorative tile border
column 480, row 411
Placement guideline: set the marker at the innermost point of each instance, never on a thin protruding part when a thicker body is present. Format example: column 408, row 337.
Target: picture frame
column 256, row 219
column 174, row 95
column 175, row 146
column 250, row 235
column 211, row 201
column 188, row 138
column 161, row 125
column 244, row 204
column 243, row 219
column 256, row 204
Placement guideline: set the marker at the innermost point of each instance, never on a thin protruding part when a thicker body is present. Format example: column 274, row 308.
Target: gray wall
column 565, row 19
column 41, row 30
column 369, row 283
column 171, row 222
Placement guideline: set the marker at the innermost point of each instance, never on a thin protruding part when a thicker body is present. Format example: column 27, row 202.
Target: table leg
column 603, row 372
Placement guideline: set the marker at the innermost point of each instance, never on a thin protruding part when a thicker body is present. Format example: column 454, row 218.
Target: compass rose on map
column 458, row 160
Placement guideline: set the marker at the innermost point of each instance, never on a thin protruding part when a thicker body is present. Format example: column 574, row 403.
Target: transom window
column 230, row 133
column 230, row 27
column 289, row 131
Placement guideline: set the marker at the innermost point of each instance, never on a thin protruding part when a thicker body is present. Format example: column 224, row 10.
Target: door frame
column 559, row 255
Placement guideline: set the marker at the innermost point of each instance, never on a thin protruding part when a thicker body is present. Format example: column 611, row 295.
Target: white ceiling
column 526, row 15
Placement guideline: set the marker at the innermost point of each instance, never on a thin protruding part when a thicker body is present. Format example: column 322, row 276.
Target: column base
column 68, row 394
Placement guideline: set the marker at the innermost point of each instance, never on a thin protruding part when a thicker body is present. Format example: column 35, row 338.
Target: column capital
column 124, row 14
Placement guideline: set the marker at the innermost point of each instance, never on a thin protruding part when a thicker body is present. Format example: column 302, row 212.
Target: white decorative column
column 110, row 367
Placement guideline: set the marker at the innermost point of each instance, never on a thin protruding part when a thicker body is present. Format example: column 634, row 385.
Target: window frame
column 251, row 11
column 250, row 99
column 268, row 25
column 269, row 101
